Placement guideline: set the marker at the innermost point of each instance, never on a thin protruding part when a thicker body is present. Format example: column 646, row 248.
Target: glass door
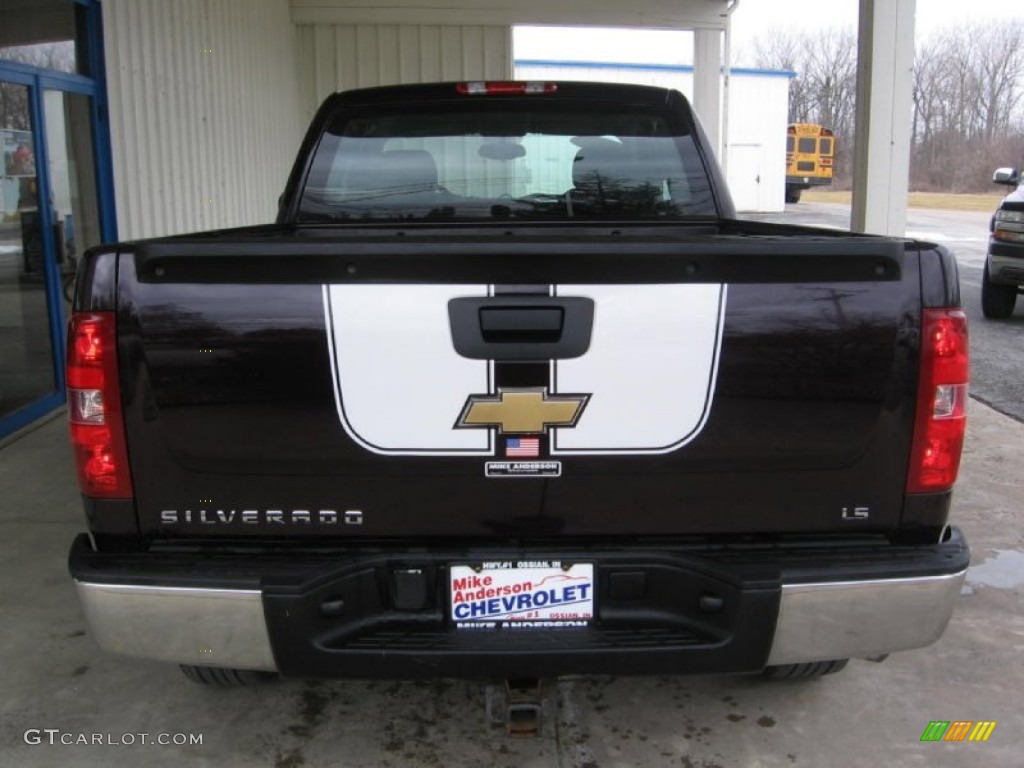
column 49, row 216
column 71, row 172
column 27, row 344
column 56, row 190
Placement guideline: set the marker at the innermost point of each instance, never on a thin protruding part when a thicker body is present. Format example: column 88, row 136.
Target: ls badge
column 527, row 414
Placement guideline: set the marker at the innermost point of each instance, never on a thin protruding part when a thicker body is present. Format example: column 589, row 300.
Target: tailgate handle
column 522, row 327
column 521, row 324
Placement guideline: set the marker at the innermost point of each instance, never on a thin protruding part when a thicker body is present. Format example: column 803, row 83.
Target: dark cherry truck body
column 509, row 391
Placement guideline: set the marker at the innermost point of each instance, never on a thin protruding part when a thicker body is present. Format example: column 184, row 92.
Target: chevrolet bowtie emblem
column 522, row 411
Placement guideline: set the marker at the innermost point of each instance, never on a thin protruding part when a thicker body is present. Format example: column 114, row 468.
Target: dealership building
column 126, row 119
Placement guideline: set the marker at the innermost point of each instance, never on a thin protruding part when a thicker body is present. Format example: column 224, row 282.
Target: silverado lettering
column 256, row 516
column 600, row 421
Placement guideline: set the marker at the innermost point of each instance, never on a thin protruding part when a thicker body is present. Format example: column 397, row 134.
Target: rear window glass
column 807, row 146
column 499, row 160
column 826, row 146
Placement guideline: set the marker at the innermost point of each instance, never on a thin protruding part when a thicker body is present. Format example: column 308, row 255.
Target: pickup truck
column 509, row 392
column 1003, row 276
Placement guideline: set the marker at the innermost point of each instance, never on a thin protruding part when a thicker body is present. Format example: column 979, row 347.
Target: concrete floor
column 53, row 677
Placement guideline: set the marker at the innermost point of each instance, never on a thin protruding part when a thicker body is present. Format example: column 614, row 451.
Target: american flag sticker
column 522, row 446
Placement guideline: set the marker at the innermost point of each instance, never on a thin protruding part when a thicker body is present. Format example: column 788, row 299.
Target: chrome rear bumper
column 186, row 625
column 860, row 619
column 227, row 628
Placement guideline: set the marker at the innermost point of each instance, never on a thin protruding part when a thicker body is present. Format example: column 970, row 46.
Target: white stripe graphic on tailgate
column 651, row 367
column 399, row 383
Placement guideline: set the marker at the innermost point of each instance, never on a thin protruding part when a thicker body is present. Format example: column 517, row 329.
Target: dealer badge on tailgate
column 522, row 595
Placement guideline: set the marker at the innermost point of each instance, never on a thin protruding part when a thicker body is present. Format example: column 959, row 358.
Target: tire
column 222, row 677
column 792, row 194
column 805, row 670
column 997, row 301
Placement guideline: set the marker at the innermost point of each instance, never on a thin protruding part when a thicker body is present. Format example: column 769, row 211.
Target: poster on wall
column 19, row 152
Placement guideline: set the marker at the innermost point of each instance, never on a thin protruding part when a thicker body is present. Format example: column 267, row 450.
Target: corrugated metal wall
column 337, row 57
column 204, row 115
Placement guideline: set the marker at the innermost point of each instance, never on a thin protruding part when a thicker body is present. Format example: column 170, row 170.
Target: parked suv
column 1004, row 266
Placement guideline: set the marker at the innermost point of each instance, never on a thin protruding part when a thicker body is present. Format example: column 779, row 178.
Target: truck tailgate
column 368, row 385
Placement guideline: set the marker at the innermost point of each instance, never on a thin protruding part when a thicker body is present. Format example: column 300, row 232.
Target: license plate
column 522, row 594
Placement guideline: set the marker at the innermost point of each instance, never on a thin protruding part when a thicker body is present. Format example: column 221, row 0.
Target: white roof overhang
column 654, row 14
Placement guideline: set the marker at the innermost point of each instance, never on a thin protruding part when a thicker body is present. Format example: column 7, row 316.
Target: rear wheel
column 792, row 194
column 805, row 670
column 997, row 301
column 222, row 677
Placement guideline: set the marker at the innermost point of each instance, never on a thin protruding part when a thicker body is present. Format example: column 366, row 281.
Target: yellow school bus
column 810, row 149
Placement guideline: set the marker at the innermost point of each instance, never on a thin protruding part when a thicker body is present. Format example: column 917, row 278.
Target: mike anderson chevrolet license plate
column 529, row 594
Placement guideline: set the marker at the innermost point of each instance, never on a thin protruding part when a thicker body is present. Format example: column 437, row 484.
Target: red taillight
column 94, row 407
column 941, row 402
column 505, row 88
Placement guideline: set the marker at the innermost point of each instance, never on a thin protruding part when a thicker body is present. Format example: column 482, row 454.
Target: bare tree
column 968, row 98
column 784, row 51
column 59, row 56
column 825, row 86
column 1001, row 65
column 14, row 112
column 968, row 94
column 832, row 78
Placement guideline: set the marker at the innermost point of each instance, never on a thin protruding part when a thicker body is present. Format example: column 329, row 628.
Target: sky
column 751, row 18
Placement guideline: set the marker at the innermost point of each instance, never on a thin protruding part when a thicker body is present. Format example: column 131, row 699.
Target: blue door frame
column 38, row 80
